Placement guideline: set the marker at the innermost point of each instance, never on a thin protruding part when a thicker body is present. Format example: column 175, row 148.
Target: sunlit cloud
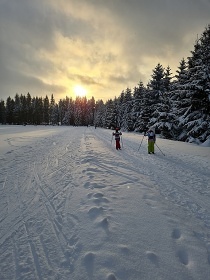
column 104, row 46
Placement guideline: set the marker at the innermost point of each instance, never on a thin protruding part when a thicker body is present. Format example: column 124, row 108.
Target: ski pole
column 122, row 140
column 112, row 139
column 159, row 149
column 141, row 143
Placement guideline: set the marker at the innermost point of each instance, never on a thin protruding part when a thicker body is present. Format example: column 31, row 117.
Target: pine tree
column 156, row 90
column 167, row 79
column 2, row 112
column 178, row 99
column 91, row 111
column 46, row 110
column 157, row 82
column 195, row 120
column 10, row 105
column 164, row 116
column 120, row 109
column 78, row 111
column 138, row 107
column 17, row 109
column 182, row 71
column 99, row 113
column 23, row 109
column 110, row 116
column 67, row 111
column 127, row 105
column 52, row 116
column 29, row 108
column 37, row 114
column 145, row 109
column 84, row 109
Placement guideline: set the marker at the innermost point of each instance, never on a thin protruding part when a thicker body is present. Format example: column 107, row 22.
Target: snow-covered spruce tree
column 55, row 115
column 37, row 107
column 23, row 109
column 179, row 102
column 64, row 112
column 78, row 115
column 181, row 76
column 110, row 116
column 90, row 111
column 29, row 108
column 10, row 104
column 54, row 112
column 99, row 114
column 139, row 110
column 196, row 118
column 120, row 112
column 46, row 110
column 167, row 79
column 84, row 110
column 162, row 117
column 156, row 89
column 113, row 113
column 51, row 110
column 2, row 112
column 61, row 110
column 165, row 120
column 127, row 121
column 17, row 109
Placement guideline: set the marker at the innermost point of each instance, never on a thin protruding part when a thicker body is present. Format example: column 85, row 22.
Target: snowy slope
column 72, row 207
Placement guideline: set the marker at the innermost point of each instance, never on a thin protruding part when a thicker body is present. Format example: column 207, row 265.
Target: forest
column 177, row 106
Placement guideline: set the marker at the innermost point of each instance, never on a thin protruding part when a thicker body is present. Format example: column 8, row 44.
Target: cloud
column 103, row 45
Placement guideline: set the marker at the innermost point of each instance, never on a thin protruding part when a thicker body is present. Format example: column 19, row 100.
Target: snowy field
column 74, row 208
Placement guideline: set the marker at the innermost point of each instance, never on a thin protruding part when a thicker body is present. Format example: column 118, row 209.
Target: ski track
column 63, row 209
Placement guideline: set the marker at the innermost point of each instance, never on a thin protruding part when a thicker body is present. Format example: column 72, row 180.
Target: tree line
column 38, row 110
column 177, row 106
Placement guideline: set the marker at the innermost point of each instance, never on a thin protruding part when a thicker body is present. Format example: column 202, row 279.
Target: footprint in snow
column 176, row 233
column 111, row 277
column 88, row 261
column 98, row 195
column 99, row 198
column 183, row 256
column 208, row 251
column 89, row 185
column 104, row 223
column 124, row 249
column 97, row 186
column 94, row 212
column 152, row 257
column 209, row 258
column 150, row 200
column 89, row 195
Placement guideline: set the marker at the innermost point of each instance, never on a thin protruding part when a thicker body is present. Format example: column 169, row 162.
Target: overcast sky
column 105, row 46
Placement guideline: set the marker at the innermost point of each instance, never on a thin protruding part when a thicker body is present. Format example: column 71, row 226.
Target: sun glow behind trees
column 79, row 91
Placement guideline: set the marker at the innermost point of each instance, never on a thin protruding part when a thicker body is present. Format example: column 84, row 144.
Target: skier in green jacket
column 151, row 140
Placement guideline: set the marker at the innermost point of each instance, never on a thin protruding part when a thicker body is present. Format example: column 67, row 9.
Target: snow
column 206, row 143
column 72, row 207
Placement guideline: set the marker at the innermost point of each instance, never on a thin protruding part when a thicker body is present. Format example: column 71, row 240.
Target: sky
column 93, row 47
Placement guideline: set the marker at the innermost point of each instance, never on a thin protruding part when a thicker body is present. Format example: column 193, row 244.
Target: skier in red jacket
column 117, row 135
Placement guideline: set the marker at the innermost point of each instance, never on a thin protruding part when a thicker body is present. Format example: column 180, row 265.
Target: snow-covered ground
column 72, row 207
